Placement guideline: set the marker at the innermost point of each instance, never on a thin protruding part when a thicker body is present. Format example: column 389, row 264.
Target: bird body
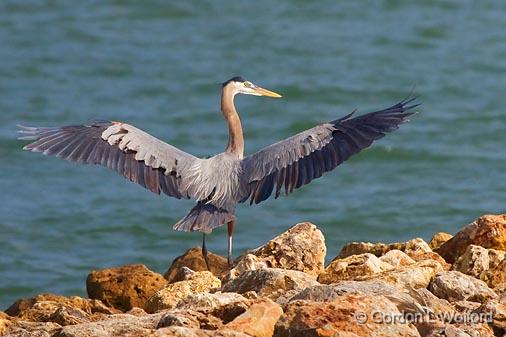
column 222, row 181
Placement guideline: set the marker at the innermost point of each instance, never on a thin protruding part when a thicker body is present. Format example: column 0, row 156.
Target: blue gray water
column 157, row 65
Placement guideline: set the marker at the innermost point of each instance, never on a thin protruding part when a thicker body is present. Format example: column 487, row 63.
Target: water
column 157, row 65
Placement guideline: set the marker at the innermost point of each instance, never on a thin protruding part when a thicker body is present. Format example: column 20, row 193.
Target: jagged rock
column 438, row 239
column 5, row 322
column 397, row 258
column 438, row 329
column 488, row 231
column 124, row 287
column 496, row 276
column 454, row 286
column 330, row 292
column 341, row 317
column 379, row 249
column 421, row 256
column 118, row 325
column 484, row 264
column 58, row 309
column 168, row 297
column 301, row 248
column 433, row 304
column 258, row 320
column 31, row 329
column 194, row 260
column 473, row 262
column 465, row 306
column 495, row 312
column 190, row 319
column 414, row 276
column 209, row 301
column 353, row 267
column 178, row 331
column 269, row 282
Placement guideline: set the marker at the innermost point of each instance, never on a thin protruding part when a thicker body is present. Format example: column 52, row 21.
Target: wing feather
column 133, row 153
column 298, row 160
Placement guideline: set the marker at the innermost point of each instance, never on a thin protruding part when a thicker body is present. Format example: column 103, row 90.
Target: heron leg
column 230, row 227
column 204, row 251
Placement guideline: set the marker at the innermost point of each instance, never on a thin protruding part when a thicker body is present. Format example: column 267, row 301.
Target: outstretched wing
column 299, row 159
column 135, row 154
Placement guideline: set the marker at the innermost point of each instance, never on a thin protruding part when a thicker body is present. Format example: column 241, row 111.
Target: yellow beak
column 265, row 92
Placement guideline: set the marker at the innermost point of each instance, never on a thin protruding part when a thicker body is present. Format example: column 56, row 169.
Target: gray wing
column 299, row 159
column 138, row 156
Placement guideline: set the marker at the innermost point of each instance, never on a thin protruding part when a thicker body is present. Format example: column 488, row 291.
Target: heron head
column 241, row 86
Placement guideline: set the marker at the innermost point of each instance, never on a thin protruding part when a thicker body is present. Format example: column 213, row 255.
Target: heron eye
column 248, row 84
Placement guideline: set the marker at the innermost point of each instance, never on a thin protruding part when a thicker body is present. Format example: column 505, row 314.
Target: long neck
column 235, row 136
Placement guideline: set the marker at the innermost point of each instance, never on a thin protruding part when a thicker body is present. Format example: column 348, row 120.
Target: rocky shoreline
column 451, row 286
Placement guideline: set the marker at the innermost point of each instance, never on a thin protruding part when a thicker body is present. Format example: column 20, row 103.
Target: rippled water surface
column 157, row 65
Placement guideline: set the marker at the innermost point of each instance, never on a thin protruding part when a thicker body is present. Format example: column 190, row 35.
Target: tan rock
column 488, row 231
column 464, row 306
column 473, row 262
column 31, row 329
column 414, row 276
column 397, row 258
column 201, row 301
column 330, row 292
column 348, row 315
column 269, row 282
column 301, row 248
column 495, row 312
column 168, row 297
column 118, row 325
column 190, row 319
column 178, row 331
column 379, row 249
column 258, row 320
column 454, row 286
column 438, row 239
column 496, row 277
column 353, row 267
column 5, row 322
column 58, row 309
column 194, row 260
column 124, row 287
column 421, row 256
column 433, row 304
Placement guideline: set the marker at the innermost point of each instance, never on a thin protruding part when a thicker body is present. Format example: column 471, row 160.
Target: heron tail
column 204, row 218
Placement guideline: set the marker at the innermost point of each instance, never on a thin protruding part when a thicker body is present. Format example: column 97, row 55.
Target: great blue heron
column 220, row 182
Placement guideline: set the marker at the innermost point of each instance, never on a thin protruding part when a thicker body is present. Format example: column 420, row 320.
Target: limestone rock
column 414, row 276
column 169, row 296
column 438, row 239
column 58, row 309
column 330, row 292
column 31, row 329
column 473, row 262
column 194, row 260
column 353, row 267
column 433, row 304
column 178, row 331
column 496, row 277
column 124, row 287
column 379, row 249
column 199, row 301
column 397, row 258
column 348, row 315
column 454, row 286
column 488, row 231
column 258, row 320
column 269, row 282
column 116, row 326
column 421, row 256
column 496, row 312
column 190, row 319
column 5, row 322
column 301, row 248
